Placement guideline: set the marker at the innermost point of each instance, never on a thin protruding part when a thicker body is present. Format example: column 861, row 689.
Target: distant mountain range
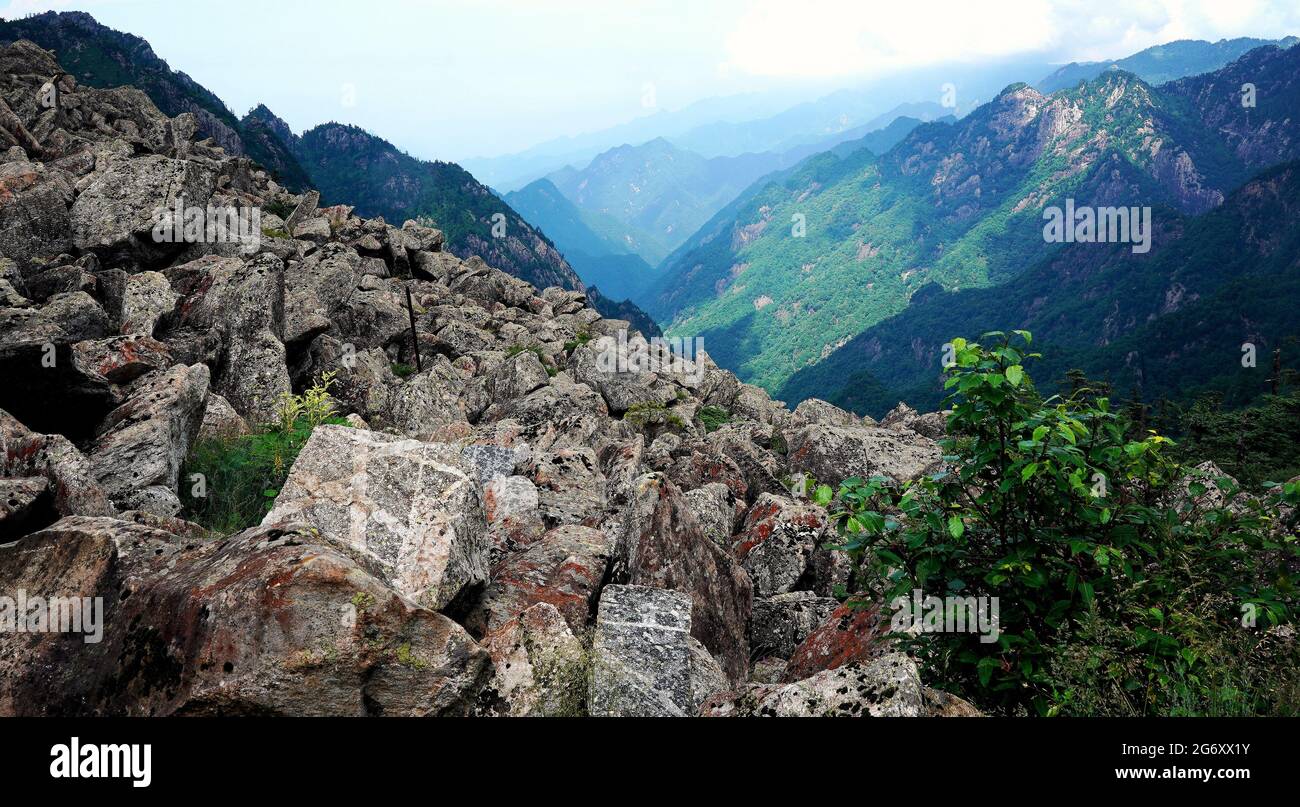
column 955, row 207
column 1156, row 65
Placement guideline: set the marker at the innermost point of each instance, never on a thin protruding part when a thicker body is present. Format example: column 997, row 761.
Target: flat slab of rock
column 406, row 505
column 890, row 686
column 641, row 655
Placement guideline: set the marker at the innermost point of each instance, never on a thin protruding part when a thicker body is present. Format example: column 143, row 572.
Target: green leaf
column 955, row 526
column 1015, row 374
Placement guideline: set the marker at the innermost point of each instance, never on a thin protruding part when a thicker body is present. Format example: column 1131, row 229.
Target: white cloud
column 831, row 38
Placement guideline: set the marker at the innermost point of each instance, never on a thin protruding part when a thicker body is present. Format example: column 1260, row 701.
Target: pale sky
column 453, row 79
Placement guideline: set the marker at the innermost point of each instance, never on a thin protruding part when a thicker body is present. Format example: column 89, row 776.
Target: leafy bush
column 241, row 476
column 1121, row 584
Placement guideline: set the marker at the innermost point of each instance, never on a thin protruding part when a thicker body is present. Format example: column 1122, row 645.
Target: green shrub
column 580, row 339
column 714, row 417
column 242, row 475
column 402, row 370
column 1119, row 591
column 652, row 415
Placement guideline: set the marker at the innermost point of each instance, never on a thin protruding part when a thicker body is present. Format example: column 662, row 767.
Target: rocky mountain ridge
column 531, row 509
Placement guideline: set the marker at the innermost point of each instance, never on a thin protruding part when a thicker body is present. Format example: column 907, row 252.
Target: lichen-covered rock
column 148, row 297
column 853, row 632
column 777, row 543
column 641, row 654
column 889, row 686
column 272, row 621
column 663, row 546
column 832, row 454
column 241, row 305
column 782, row 622
column 565, row 567
column 514, row 516
column 70, row 478
column 405, row 505
column 814, row 411
column 121, row 207
column 707, row 676
column 716, row 508
column 143, row 443
column 570, row 486
column 539, row 667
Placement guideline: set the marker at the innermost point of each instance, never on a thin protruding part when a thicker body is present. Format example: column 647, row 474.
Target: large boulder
column 69, row 480
column 662, row 545
column 832, row 454
column 778, row 542
column 781, row 623
column 405, row 505
column 268, row 622
column 141, row 445
column 121, row 207
column 565, row 567
column 241, row 306
column 34, row 220
column 853, row 632
column 641, row 654
column 513, row 511
column 570, row 486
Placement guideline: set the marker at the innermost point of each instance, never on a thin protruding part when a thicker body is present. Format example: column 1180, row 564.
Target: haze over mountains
column 828, row 248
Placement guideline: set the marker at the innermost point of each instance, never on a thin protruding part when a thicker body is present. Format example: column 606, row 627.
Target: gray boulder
column 832, row 454
column 406, row 506
column 143, row 442
column 641, row 654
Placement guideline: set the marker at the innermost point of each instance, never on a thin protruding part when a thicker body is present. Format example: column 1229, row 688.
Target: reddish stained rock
column 121, row 359
column 663, row 546
column 272, row 621
column 698, row 470
column 778, row 542
column 565, row 567
column 851, row 633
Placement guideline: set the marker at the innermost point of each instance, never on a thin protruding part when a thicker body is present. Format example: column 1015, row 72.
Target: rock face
column 641, row 656
column 663, row 546
column 268, row 622
column 403, row 504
